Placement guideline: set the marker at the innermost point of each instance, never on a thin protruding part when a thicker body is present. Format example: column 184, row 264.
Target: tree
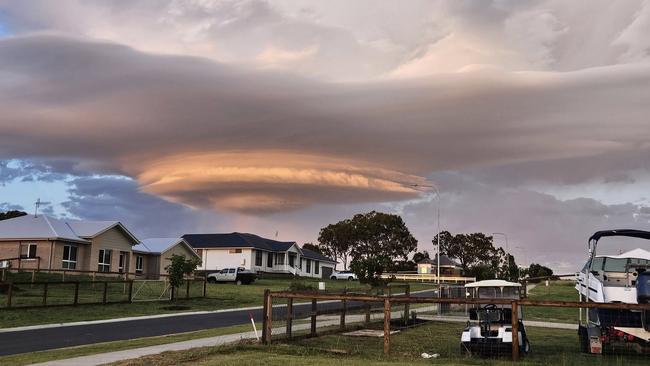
column 537, row 270
column 11, row 214
column 335, row 241
column 313, row 247
column 379, row 239
column 468, row 249
column 420, row 256
column 179, row 268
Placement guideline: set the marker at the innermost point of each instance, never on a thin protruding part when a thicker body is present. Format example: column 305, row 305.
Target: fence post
column 105, row 292
column 33, row 277
column 289, row 316
column 515, row 331
column 386, row 327
column 94, row 279
column 314, row 310
column 267, row 316
column 368, row 306
column 187, row 294
column 9, row 293
column 407, row 305
column 76, row 293
column 130, row 291
column 344, row 310
column 45, row 294
column 205, row 285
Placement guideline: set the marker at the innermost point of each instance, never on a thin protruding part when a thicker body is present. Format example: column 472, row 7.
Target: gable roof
column 38, row 227
column 161, row 245
column 91, row 229
column 310, row 254
column 238, row 240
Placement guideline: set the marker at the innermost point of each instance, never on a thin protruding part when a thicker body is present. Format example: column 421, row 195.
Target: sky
column 280, row 117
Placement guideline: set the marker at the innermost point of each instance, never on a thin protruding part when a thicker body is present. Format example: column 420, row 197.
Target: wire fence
column 462, row 329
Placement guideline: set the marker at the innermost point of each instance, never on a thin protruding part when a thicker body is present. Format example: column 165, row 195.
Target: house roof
column 444, row 261
column 237, row 240
column 38, row 227
column 50, row 228
column 90, row 229
column 310, row 254
column 161, row 245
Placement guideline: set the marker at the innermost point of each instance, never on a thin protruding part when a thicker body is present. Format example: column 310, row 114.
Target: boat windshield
column 608, row 264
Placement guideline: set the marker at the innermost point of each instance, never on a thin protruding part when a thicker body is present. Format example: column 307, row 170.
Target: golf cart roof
column 493, row 283
column 622, row 232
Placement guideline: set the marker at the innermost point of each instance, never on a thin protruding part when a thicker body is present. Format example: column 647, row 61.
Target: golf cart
column 622, row 278
column 489, row 330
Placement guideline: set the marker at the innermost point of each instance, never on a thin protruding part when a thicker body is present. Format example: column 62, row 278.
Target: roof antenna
column 37, row 204
column 276, row 234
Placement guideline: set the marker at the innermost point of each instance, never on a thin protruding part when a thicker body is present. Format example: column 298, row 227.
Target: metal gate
column 151, row 290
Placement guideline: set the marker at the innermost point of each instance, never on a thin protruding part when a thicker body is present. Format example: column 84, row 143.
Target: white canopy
column 493, row 283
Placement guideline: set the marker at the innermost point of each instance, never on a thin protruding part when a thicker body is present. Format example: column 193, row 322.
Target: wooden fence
column 389, row 300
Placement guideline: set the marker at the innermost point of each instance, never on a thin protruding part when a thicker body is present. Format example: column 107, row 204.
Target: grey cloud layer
column 114, row 109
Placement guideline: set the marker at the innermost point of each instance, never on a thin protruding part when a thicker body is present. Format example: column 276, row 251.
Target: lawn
column 557, row 290
column 219, row 296
column 549, row 347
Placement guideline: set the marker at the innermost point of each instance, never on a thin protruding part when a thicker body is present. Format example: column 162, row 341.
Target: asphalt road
column 68, row 336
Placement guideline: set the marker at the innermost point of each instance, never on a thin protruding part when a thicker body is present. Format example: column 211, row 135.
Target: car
column 344, row 275
column 238, row 275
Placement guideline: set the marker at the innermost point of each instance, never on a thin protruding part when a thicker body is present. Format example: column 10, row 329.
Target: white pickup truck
column 237, row 275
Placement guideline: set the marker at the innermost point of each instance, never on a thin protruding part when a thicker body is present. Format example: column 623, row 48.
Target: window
column 279, row 258
column 308, row 266
column 269, row 260
column 231, row 270
column 28, row 251
column 104, row 260
column 258, row 258
column 139, row 261
column 120, row 266
column 316, row 267
column 234, row 251
column 69, row 257
column 292, row 259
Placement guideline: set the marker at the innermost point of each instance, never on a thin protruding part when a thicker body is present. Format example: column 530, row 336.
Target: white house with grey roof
column 219, row 251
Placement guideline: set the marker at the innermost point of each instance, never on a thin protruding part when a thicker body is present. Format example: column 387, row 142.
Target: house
column 153, row 255
column 218, row 251
column 47, row 243
column 448, row 267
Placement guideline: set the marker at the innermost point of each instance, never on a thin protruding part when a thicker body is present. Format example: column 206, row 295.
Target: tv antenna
column 38, row 204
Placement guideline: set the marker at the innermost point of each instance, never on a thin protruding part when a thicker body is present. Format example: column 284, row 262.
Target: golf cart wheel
column 238, row 283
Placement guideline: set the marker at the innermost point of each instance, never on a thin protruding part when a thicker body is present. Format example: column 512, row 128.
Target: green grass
column 557, row 290
column 219, row 296
column 549, row 347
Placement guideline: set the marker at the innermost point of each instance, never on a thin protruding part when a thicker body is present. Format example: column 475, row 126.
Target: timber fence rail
column 390, row 303
column 30, row 294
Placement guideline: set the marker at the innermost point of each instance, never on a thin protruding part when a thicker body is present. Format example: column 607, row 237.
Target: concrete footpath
column 104, row 358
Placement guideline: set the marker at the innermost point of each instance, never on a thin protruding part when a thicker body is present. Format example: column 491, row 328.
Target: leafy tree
column 11, row 214
column 468, row 249
column 509, row 270
column 179, row 268
column 335, row 241
column 379, row 239
column 313, row 247
column 420, row 256
column 537, row 270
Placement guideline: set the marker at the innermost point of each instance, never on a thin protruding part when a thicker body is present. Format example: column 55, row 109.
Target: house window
column 69, row 257
column 292, row 260
column 279, row 258
column 104, row 260
column 258, row 258
column 120, row 266
column 139, row 261
column 234, row 251
column 308, row 266
column 269, row 260
column 316, row 267
column 28, row 251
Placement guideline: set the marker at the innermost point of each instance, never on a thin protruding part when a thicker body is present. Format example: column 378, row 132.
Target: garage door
column 326, row 271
